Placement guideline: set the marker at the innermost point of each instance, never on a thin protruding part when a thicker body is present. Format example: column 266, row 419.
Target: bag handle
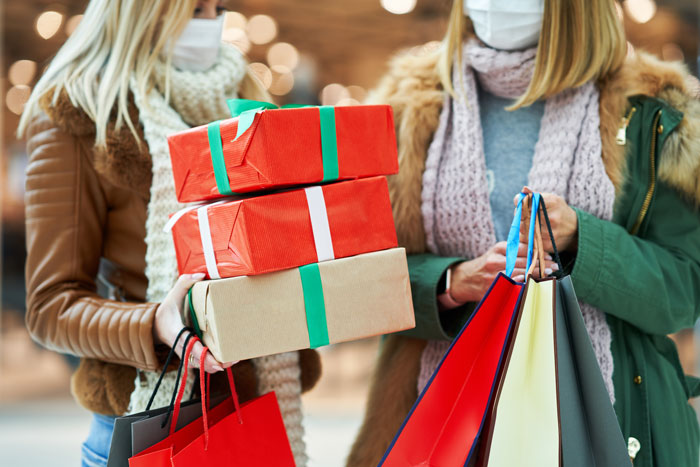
column 165, row 367
column 539, row 247
column 205, row 395
column 555, row 252
column 513, row 242
column 191, row 340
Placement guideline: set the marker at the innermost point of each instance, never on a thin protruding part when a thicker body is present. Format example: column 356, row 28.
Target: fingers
column 183, row 284
column 500, row 248
column 211, row 365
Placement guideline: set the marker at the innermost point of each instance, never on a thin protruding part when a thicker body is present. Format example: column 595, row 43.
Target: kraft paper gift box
column 284, row 230
column 282, row 148
column 315, row 305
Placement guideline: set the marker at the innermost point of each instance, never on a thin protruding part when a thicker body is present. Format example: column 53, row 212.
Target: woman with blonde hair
column 99, row 191
column 543, row 93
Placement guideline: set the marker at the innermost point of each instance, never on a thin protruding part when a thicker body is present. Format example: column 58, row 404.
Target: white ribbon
column 207, row 245
column 204, row 233
column 319, row 223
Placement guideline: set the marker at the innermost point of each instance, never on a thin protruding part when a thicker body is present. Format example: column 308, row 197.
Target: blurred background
column 305, row 51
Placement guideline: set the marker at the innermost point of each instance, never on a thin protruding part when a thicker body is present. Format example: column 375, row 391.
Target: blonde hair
column 115, row 40
column 580, row 40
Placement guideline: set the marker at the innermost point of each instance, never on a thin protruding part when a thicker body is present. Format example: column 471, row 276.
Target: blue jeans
column 96, row 447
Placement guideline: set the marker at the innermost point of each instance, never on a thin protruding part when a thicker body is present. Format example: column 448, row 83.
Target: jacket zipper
column 621, row 138
column 652, row 176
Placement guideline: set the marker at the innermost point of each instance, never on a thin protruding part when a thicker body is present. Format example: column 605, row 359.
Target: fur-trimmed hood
column 412, row 87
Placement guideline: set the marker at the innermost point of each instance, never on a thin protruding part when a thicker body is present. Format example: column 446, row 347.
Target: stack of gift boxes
column 295, row 232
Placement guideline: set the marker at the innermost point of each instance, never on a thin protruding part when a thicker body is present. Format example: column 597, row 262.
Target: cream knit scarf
column 567, row 161
column 197, row 98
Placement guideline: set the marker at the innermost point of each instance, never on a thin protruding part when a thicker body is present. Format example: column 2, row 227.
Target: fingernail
column 218, row 368
column 555, row 267
column 548, row 257
column 197, row 276
column 520, row 279
column 548, row 271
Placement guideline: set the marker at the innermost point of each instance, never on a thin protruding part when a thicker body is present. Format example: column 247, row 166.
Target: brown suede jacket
column 86, row 224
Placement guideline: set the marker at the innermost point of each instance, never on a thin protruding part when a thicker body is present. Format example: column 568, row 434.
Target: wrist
column 446, row 298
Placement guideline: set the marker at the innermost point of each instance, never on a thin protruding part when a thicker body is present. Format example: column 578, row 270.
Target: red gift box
column 284, row 230
column 284, row 148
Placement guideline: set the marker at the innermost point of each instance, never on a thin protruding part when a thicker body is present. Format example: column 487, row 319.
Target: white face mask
column 197, row 48
column 506, row 24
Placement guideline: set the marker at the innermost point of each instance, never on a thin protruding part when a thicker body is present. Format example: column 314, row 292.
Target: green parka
column 642, row 269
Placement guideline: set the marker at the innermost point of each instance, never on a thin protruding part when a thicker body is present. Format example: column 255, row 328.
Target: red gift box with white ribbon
column 284, row 230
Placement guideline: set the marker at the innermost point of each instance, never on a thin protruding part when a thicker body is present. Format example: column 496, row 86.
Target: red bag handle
column 205, row 395
column 183, row 382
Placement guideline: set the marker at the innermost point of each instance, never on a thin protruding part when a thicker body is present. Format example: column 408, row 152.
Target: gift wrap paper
column 286, row 230
column 283, row 148
column 247, row 317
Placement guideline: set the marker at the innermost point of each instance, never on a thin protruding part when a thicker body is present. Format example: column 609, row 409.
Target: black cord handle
column 177, row 383
column 165, row 367
column 555, row 252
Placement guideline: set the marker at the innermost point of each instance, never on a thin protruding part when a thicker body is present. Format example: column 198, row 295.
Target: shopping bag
column 145, row 432
column 445, row 423
column 588, row 429
column 122, row 444
column 591, row 434
column 251, row 434
column 524, row 423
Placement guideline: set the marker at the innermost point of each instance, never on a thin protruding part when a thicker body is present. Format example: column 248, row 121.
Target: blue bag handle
column 514, row 233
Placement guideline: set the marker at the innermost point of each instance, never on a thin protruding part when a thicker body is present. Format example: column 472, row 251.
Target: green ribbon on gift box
column 314, row 305
column 193, row 315
column 245, row 110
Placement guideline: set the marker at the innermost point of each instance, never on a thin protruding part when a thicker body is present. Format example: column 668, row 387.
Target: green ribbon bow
column 245, row 110
column 314, row 305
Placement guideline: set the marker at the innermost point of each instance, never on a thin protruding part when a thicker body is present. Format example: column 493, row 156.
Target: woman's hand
column 168, row 323
column 472, row 279
column 563, row 219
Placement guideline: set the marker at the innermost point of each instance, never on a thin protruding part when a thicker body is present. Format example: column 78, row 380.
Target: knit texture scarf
column 567, row 161
column 197, row 98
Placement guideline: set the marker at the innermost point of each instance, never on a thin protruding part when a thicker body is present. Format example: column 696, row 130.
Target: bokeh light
column 357, row 93
column 398, row 7
column 347, row 101
column 22, row 72
column 283, row 54
column 263, row 73
column 233, row 19
column 16, row 97
column 641, row 11
column 72, row 24
column 672, row 52
column 333, row 93
column 236, row 37
column 261, row 29
column 282, row 81
column 48, row 23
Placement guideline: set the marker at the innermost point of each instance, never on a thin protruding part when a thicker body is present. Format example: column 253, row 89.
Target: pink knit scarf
column 567, row 161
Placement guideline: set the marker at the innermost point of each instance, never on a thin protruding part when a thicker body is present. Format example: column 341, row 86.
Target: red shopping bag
column 252, row 434
column 446, row 425
column 446, row 420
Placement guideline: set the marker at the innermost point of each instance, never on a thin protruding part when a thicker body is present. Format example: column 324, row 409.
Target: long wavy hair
column 580, row 40
column 115, row 41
